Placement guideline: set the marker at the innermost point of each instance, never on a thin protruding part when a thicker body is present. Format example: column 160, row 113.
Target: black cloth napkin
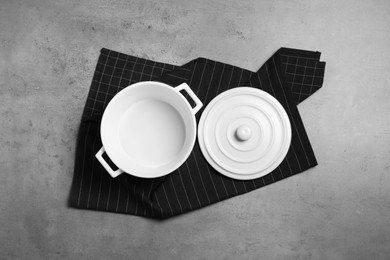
column 289, row 75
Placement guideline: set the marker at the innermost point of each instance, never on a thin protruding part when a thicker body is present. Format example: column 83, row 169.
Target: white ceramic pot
column 148, row 129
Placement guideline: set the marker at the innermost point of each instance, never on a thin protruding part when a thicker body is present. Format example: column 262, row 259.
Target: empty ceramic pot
column 148, row 129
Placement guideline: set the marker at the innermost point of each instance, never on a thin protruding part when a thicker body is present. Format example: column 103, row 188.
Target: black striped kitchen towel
column 290, row 75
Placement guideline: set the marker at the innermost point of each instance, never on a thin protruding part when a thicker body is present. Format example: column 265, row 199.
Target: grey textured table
column 337, row 210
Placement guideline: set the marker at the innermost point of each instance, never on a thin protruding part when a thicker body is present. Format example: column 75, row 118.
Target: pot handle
column 198, row 103
column 99, row 156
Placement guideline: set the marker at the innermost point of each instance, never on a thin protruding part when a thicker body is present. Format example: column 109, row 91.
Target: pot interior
column 152, row 132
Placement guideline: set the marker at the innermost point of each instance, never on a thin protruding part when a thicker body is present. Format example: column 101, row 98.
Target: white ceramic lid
column 244, row 133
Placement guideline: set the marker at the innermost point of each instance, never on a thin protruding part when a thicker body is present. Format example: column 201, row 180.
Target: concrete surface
column 338, row 210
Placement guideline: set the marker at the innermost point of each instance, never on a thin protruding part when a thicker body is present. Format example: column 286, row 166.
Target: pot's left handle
column 198, row 103
column 106, row 166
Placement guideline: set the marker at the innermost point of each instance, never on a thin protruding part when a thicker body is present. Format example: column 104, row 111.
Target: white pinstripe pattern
column 193, row 185
column 132, row 70
column 128, row 198
column 185, row 190
column 201, row 78
column 105, row 100
column 239, row 81
column 97, row 101
column 295, row 72
column 143, row 201
column 193, row 73
column 177, row 198
column 166, row 197
column 163, row 186
column 303, row 78
column 302, row 75
column 197, row 93
column 157, row 63
column 179, row 173
column 85, row 146
column 109, row 193
column 109, row 94
column 243, row 184
column 228, row 87
column 149, row 195
column 221, row 77
column 207, row 92
column 136, row 72
column 285, row 70
column 158, row 204
column 219, row 85
column 92, row 175
column 286, row 158
column 101, row 78
column 212, row 182
column 121, row 77
column 136, row 201
column 117, row 200
column 262, row 178
column 312, row 81
column 230, row 79
column 142, row 72
column 295, row 126
column 201, row 179
column 254, row 184
column 261, row 84
column 299, row 57
column 290, row 113
column 208, row 88
column 274, row 94
column 304, row 66
column 176, row 76
column 304, row 84
column 82, row 174
column 100, row 187
column 196, row 162
column 313, row 76
column 151, row 73
column 287, row 63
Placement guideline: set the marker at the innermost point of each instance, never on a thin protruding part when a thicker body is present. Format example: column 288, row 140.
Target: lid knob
column 243, row 133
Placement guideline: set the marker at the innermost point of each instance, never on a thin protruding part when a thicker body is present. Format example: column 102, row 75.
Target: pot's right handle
column 198, row 103
column 99, row 156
